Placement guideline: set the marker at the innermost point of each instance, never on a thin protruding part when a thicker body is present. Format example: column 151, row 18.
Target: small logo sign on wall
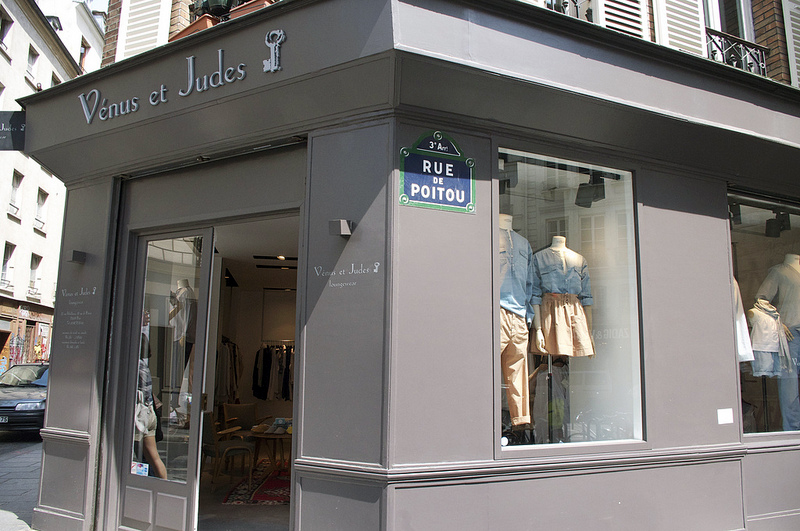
column 435, row 174
column 12, row 130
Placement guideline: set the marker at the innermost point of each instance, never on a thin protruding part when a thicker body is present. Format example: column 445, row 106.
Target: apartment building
column 40, row 47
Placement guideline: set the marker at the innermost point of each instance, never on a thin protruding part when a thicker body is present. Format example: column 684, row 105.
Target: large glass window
column 568, row 302
column 765, row 239
column 166, row 358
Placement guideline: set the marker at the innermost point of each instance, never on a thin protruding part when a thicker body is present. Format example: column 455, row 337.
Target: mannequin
column 793, row 261
column 184, row 315
column 781, row 288
column 184, row 318
column 561, row 279
column 516, row 313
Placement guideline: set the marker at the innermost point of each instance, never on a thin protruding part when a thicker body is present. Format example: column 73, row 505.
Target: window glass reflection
column 166, row 358
column 765, row 239
column 569, row 330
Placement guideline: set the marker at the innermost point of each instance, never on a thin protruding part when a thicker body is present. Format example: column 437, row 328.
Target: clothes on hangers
column 273, row 372
column 229, row 372
column 261, row 374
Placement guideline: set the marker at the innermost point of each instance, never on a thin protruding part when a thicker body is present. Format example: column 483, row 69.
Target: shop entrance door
column 166, row 338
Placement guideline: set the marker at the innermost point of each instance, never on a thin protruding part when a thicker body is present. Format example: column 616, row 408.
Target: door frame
column 120, row 392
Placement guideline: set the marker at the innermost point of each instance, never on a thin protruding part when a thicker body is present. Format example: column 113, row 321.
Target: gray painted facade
column 397, row 387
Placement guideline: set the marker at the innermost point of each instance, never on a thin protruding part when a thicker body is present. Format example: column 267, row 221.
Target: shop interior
column 765, row 240
column 252, row 375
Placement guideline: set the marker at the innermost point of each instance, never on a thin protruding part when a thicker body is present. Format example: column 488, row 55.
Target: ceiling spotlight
column 280, row 257
column 773, row 228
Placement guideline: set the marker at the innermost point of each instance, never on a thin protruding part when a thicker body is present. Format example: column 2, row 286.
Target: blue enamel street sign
column 434, row 174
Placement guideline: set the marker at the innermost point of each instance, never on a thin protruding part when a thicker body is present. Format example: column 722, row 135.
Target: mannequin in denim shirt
column 558, row 269
column 782, row 289
column 516, row 313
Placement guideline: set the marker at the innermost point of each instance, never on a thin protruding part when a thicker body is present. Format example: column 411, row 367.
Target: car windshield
column 20, row 375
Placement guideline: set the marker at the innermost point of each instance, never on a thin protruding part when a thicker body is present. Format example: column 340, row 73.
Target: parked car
column 23, row 393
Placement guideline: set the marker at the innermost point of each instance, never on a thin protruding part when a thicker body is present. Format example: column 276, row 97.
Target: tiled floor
column 214, row 516
column 20, row 466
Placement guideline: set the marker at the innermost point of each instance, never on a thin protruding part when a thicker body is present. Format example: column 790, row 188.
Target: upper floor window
column 568, row 302
column 41, row 209
column 5, row 273
column 14, row 200
column 5, row 29
column 33, row 57
column 83, row 53
column 35, row 277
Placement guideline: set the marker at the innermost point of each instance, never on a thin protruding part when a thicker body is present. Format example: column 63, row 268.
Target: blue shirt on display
column 516, row 270
column 561, row 271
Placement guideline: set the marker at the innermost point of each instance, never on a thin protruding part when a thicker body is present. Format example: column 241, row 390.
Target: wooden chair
column 245, row 416
column 219, row 450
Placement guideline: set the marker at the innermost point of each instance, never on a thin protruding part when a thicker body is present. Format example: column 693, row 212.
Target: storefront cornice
column 507, row 469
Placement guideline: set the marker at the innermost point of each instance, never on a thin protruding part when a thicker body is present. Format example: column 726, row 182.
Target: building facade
column 36, row 51
column 510, row 269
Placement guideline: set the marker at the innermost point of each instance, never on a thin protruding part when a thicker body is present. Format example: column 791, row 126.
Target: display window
column 166, row 358
column 567, row 302
column 765, row 240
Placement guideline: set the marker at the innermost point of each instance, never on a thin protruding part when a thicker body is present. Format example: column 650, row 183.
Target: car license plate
column 3, row 420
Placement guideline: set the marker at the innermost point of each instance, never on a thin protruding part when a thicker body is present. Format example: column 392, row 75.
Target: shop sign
column 434, row 174
column 96, row 106
column 12, row 130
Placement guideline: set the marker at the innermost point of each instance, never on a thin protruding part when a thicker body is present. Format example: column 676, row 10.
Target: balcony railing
column 33, row 289
column 736, row 52
column 581, row 9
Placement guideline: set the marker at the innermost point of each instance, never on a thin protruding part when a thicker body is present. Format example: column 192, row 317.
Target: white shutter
column 144, row 25
column 626, row 16
column 791, row 20
column 680, row 24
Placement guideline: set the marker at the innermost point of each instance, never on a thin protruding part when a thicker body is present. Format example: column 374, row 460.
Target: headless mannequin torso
column 559, row 244
column 793, row 261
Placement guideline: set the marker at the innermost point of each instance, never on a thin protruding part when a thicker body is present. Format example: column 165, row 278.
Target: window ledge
column 4, row 52
column 33, row 84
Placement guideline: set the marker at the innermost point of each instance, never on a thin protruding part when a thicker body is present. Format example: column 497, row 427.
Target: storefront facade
column 399, row 145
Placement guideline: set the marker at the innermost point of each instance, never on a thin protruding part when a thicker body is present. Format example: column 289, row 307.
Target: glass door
column 168, row 318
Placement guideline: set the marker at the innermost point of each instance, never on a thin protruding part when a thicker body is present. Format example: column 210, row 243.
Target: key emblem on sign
column 273, row 41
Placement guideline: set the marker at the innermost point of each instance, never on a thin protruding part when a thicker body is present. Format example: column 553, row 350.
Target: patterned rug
column 268, row 488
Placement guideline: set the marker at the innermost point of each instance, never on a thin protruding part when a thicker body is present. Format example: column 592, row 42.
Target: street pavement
column 20, row 466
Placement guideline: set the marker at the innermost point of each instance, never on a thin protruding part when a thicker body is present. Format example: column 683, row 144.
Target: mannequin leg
column 514, row 361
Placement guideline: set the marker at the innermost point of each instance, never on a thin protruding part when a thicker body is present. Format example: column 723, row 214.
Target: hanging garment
column 261, row 377
column 564, row 326
column 770, row 345
column 744, row 347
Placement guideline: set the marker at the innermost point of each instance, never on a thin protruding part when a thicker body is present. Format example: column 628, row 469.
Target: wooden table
column 274, row 440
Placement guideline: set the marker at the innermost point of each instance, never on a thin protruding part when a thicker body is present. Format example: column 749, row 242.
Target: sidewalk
column 20, row 466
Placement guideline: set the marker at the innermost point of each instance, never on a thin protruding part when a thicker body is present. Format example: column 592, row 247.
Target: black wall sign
column 12, row 130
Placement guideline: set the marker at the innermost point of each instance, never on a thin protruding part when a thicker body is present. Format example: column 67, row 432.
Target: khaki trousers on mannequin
column 514, row 361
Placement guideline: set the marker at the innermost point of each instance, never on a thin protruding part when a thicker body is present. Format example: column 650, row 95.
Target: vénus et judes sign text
column 95, row 106
column 434, row 174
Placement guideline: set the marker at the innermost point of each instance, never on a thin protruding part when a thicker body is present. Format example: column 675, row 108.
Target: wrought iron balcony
column 736, row 52
column 581, row 9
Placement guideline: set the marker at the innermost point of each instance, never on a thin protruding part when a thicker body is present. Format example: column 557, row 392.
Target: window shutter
column 143, row 26
column 625, row 16
column 791, row 20
column 680, row 24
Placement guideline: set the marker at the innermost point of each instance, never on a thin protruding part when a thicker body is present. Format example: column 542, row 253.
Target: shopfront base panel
column 703, row 497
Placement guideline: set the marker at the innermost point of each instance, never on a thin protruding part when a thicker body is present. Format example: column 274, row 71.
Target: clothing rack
column 277, row 342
